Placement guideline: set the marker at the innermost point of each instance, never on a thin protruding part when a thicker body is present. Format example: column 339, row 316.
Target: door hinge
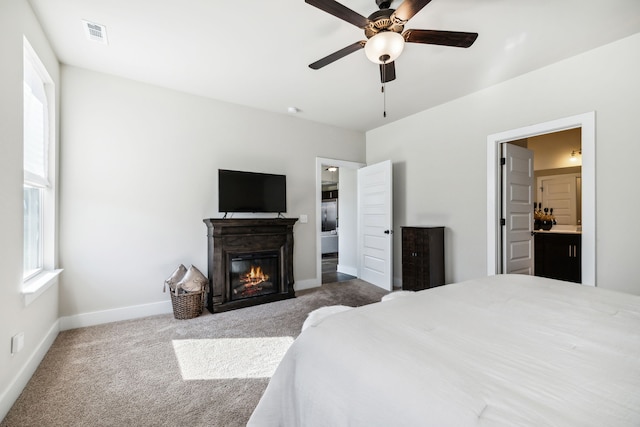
column 503, row 161
column 503, row 221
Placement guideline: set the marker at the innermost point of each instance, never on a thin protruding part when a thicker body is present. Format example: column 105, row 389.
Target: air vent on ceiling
column 95, row 32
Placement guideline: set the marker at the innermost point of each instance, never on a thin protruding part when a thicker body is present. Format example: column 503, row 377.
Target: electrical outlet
column 17, row 342
column 304, row 219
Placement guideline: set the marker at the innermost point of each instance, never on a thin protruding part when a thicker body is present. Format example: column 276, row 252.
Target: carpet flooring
column 159, row 371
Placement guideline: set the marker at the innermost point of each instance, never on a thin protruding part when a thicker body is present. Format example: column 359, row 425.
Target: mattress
column 506, row 350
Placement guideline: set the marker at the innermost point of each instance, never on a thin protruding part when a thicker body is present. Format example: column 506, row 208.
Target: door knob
column 388, row 232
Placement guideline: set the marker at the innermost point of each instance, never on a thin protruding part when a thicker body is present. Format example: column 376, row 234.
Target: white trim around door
column 320, row 163
column 587, row 123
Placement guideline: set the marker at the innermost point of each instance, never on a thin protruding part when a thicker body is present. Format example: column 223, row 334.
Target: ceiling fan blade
column 337, row 55
column 443, row 38
column 387, row 72
column 340, row 11
column 408, row 8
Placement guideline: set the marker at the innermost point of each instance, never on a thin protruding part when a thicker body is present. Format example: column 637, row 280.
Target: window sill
column 37, row 285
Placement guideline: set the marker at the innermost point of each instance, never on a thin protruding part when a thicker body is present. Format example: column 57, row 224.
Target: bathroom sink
column 565, row 229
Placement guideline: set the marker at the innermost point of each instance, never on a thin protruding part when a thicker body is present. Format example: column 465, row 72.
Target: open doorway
column 586, row 124
column 336, row 220
column 329, row 219
column 541, row 205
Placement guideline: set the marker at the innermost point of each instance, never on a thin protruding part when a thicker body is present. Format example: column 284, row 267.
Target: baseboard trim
column 397, row 282
column 114, row 315
column 12, row 392
column 306, row 284
column 351, row 271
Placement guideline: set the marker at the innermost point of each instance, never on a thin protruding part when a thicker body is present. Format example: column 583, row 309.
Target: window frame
column 37, row 282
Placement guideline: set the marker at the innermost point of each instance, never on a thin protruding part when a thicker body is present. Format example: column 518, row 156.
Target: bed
column 506, row 350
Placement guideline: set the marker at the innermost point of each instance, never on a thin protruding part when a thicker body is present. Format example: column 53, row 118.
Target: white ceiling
column 256, row 53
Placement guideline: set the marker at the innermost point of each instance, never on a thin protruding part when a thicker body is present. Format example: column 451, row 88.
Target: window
column 38, row 199
column 32, row 261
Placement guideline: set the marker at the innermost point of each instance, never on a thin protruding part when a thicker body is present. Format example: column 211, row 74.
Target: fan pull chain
column 384, row 101
column 384, row 92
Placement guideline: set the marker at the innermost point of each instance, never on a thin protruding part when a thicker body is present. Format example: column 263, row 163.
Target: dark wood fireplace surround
column 230, row 237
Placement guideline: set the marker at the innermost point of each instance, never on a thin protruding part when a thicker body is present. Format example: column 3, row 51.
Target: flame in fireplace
column 252, row 281
column 254, row 277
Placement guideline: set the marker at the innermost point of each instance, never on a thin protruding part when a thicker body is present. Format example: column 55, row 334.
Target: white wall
column 439, row 157
column 38, row 321
column 139, row 171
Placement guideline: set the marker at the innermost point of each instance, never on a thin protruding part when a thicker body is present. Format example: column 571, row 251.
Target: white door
column 560, row 193
column 375, row 220
column 517, row 210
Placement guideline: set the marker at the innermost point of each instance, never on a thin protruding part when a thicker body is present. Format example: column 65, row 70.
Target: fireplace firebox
column 253, row 274
column 250, row 261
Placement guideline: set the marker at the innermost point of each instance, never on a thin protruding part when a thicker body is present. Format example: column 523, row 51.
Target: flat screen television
column 251, row 192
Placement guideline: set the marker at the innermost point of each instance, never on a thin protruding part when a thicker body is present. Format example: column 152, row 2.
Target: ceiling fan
column 384, row 32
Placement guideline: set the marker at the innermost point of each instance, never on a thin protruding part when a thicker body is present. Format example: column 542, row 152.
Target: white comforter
column 499, row 351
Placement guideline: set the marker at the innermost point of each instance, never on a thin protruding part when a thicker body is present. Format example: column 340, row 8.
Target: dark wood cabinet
column 558, row 256
column 422, row 257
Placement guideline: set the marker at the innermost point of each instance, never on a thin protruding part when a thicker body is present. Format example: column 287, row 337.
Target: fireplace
column 253, row 274
column 250, row 261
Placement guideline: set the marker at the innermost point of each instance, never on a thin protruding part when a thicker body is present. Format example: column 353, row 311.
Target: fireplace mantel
column 230, row 237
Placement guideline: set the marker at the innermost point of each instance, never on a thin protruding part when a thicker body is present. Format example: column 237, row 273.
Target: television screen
column 251, row 192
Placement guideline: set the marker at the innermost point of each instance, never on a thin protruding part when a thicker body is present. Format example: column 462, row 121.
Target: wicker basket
column 187, row 306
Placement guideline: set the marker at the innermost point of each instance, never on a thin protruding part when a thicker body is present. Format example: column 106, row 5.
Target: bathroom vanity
column 558, row 253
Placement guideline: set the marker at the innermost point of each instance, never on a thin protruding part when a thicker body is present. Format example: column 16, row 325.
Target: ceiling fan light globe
column 384, row 47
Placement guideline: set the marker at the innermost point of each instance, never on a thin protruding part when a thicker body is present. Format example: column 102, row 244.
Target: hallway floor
column 329, row 270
